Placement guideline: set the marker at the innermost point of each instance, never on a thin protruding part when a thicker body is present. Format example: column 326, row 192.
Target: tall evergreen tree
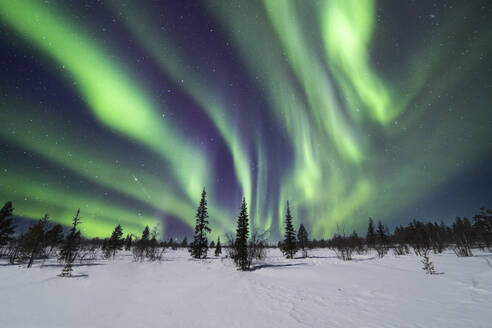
column 302, row 239
column 199, row 246
column 70, row 248
column 381, row 239
column 184, row 243
column 145, row 235
column 289, row 246
column 32, row 242
column 371, row 235
column 218, row 248
column 115, row 243
column 6, row 227
column 242, row 233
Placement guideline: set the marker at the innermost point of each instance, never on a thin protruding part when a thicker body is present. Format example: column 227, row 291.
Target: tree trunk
column 31, row 259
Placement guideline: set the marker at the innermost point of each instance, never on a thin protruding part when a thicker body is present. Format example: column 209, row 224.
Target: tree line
column 44, row 240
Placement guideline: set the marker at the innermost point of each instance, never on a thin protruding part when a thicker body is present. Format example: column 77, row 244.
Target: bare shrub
column 401, row 249
column 257, row 245
column 342, row 246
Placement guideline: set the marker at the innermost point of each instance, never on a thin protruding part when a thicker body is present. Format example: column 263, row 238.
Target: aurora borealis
column 346, row 108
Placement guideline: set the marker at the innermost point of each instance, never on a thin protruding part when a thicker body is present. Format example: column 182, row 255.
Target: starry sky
column 349, row 109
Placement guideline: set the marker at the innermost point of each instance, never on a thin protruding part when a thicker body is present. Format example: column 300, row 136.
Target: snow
column 320, row 291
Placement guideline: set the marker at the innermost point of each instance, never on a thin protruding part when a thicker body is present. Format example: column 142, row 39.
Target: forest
column 44, row 240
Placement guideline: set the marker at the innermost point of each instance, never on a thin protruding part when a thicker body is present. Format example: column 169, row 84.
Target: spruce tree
column 33, row 240
column 184, row 243
column 6, row 227
column 144, row 242
column 302, row 239
column 145, row 235
column 381, row 239
column 428, row 265
column 70, row 248
column 199, row 246
column 241, row 257
column 140, row 245
column 128, row 241
column 218, row 248
column 115, row 243
column 371, row 235
column 289, row 246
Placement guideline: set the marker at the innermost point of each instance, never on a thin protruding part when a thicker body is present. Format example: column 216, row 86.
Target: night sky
column 349, row 109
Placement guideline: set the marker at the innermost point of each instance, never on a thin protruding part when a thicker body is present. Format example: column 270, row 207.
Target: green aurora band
column 336, row 149
column 172, row 62
column 110, row 93
column 358, row 144
column 91, row 161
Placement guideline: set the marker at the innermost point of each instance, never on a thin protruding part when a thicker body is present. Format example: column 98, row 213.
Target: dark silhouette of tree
column 359, row 243
column 289, row 246
column 371, row 235
column 70, row 248
column 54, row 237
column 172, row 243
column 344, row 246
column 153, row 238
column 382, row 239
column 463, row 237
column 104, row 244
column 153, row 252
column 115, row 242
column 445, row 234
column 400, row 240
column 141, row 245
column 241, row 243
column 218, row 247
column 33, row 240
column 145, row 235
column 6, row 226
column 302, row 240
column 437, row 237
column 419, row 237
column 184, row 243
column 483, row 228
column 257, row 246
column 128, row 241
column 199, row 246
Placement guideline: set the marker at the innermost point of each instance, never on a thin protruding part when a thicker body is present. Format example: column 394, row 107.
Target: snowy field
column 320, row 291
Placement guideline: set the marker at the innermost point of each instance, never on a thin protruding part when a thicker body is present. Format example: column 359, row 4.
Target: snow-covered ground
column 320, row 291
